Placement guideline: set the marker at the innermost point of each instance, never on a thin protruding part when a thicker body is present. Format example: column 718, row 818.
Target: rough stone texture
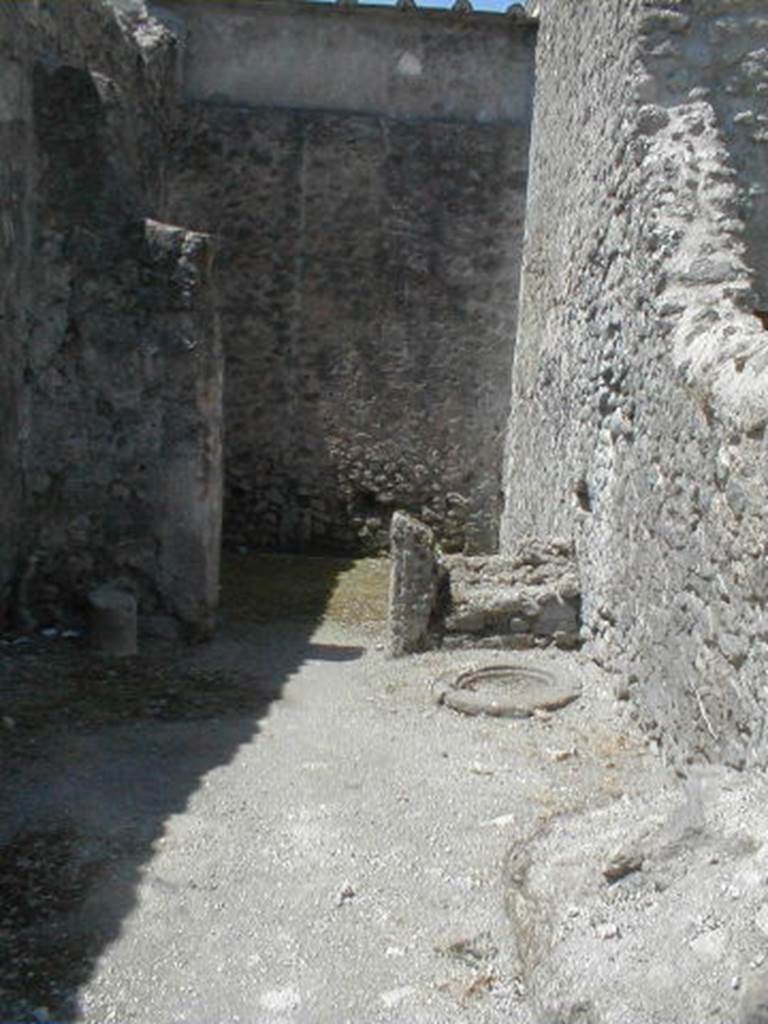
column 367, row 268
column 680, row 939
column 112, row 346
column 415, row 580
column 639, row 393
column 530, row 598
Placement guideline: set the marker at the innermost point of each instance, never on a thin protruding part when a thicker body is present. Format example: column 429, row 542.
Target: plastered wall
column 639, row 400
column 362, row 59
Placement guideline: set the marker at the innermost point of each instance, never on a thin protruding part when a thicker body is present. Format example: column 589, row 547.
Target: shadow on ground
column 95, row 756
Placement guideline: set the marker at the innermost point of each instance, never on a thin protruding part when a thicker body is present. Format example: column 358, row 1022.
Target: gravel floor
column 315, row 842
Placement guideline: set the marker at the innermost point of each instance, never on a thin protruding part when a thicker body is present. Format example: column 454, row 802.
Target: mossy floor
column 264, row 587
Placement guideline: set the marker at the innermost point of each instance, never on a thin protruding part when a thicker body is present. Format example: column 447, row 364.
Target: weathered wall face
column 116, row 354
column 640, row 396
column 430, row 64
column 15, row 177
column 367, row 270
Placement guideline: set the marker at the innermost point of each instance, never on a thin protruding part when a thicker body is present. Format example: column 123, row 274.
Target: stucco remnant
column 423, row 64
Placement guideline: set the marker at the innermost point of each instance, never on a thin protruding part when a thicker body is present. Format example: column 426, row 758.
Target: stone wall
column 368, row 268
column 361, row 59
column 15, row 258
column 113, row 348
column 528, row 597
column 639, row 399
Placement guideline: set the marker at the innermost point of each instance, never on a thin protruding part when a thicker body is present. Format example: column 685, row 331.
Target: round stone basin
column 506, row 691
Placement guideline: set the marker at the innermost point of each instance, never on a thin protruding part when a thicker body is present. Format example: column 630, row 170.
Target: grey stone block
column 113, row 620
column 414, row 585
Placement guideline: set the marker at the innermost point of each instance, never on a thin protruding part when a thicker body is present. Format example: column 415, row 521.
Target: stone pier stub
column 414, row 586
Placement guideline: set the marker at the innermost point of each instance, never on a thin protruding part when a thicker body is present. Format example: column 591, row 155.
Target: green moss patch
column 262, row 588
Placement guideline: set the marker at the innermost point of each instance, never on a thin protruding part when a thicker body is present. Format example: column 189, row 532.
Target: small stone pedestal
column 112, row 620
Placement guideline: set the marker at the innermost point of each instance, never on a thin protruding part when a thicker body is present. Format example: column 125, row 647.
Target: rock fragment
column 622, row 863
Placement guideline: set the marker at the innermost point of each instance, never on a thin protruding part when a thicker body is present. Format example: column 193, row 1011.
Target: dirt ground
column 284, row 826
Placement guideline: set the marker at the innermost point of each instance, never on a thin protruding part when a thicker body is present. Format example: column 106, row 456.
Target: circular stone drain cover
column 505, row 691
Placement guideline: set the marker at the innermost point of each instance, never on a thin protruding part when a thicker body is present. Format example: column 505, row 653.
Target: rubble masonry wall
column 112, row 454
column 369, row 227
column 639, row 402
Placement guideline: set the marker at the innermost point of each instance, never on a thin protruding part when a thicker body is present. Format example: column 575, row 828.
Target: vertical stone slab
column 188, row 505
column 414, row 586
